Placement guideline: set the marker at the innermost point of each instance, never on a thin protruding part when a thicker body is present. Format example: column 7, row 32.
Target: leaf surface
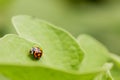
column 60, row 48
column 96, row 55
column 15, row 64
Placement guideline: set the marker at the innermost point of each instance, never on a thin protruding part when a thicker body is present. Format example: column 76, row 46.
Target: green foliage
column 56, row 43
column 64, row 57
column 95, row 53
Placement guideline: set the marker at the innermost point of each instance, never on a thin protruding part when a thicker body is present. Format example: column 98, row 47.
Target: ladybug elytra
column 36, row 52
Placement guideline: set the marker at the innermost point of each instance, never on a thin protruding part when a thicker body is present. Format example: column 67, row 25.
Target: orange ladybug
column 36, row 52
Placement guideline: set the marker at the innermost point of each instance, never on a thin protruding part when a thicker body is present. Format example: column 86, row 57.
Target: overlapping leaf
column 96, row 54
column 63, row 58
column 60, row 48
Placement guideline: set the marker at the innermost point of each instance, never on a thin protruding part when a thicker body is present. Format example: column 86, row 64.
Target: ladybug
column 36, row 52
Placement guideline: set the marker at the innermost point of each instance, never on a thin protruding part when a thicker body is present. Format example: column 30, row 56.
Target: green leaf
column 96, row 55
column 43, row 73
column 60, row 48
column 15, row 64
column 62, row 54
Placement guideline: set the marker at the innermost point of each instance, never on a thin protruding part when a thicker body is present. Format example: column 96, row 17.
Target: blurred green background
column 99, row 18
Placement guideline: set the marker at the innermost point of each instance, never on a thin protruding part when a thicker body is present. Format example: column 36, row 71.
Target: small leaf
column 95, row 53
column 60, row 48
